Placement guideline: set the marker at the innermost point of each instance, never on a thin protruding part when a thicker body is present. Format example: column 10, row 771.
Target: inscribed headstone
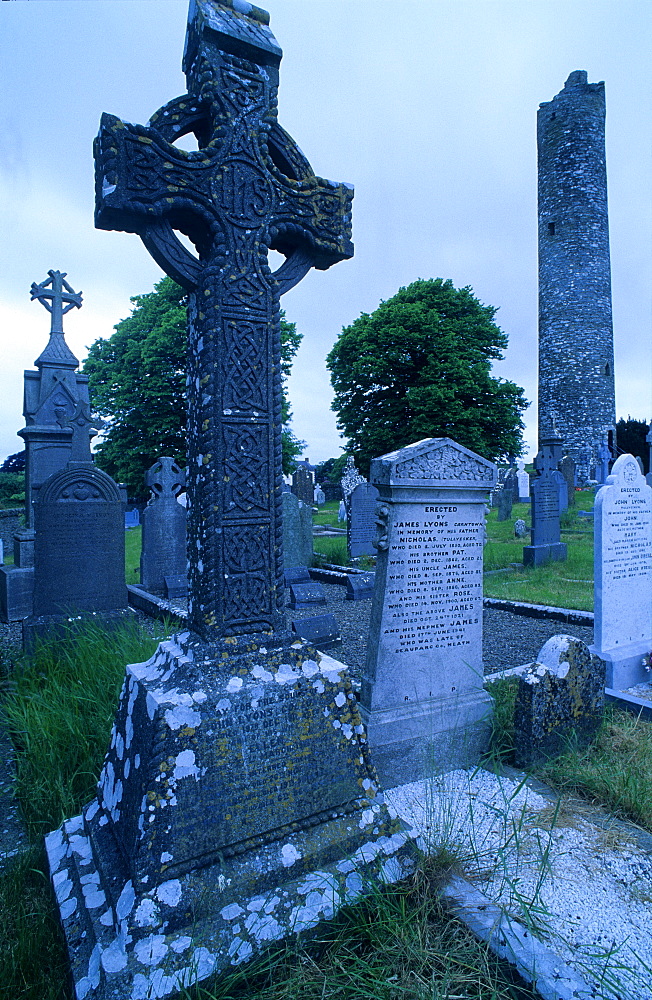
column 623, row 574
column 505, row 501
column 360, row 586
column 79, row 543
column 567, row 469
column 321, row 631
column 341, row 512
column 296, row 574
column 422, row 697
column 562, row 490
column 297, row 532
column 559, row 696
column 361, row 525
column 306, row 595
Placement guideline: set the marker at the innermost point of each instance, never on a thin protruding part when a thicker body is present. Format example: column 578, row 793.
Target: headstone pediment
column 79, row 482
column 434, row 460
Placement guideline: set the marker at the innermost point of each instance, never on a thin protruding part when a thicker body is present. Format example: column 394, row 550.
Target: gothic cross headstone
column 248, row 189
column 52, row 294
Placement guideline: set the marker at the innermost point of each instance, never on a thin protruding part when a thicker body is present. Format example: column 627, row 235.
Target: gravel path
column 509, row 639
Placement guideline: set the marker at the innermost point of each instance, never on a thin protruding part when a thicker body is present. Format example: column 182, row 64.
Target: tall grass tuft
column 59, row 705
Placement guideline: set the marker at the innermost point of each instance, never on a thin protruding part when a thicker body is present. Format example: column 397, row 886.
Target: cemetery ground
column 399, row 943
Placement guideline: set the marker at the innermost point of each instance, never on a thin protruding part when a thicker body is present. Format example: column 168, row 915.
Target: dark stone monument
column 567, row 469
column 604, row 458
column 506, row 499
column 306, row 595
column 360, row 586
column 237, row 803
column 163, row 554
column 562, row 490
column 546, row 544
column 303, row 483
column 559, row 696
column 321, row 631
column 297, row 532
column 332, row 491
column 52, row 394
column 361, row 524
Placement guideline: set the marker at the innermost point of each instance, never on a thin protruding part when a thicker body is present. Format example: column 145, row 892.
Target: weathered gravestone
column 559, row 697
column 567, row 469
column 237, row 803
column 163, row 553
column 360, row 586
column 341, row 511
column 523, row 480
column 79, row 547
column 297, row 532
column 319, row 496
column 604, row 459
column 51, row 396
column 622, row 629
column 321, row 631
column 303, row 485
column 361, row 523
column 505, row 499
column 520, row 528
column 296, row 574
column 306, row 595
column 562, row 490
column 422, row 698
column 546, row 544
column 332, row 491
column 132, row 518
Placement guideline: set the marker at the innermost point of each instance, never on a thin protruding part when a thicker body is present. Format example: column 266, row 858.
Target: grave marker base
column 624, row 667
column 16, row 593
column 428, row 737
column 237, row 805
column 44, row 627
column 538, row 555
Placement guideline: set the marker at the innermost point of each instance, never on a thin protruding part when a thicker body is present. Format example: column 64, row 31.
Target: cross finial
column 57, row 290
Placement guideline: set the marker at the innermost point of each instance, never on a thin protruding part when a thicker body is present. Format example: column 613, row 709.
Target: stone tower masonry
column 576, row 358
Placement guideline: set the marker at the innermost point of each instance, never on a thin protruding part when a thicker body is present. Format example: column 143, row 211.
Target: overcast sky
column 427, row 107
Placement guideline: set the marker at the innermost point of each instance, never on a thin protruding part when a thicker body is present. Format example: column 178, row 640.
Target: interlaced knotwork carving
column 246, row 190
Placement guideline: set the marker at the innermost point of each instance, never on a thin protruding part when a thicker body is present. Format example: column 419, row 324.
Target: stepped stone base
column 237, row 805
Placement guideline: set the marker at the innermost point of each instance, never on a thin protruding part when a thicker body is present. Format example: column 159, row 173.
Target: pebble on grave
column 622, row 574
column 422, row 697
column 560, row 698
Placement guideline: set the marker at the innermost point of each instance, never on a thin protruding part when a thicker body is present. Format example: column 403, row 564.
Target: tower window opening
column 551, row 228
column 607, row 369
column 553, row 116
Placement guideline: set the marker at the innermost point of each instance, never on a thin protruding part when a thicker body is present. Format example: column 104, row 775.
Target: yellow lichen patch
column 207, row 292
column 172, row 187
column 206, row 459
column 167, row 165
column 204, row 380
column 145, row 138
column 205, row 425
column 187, row 731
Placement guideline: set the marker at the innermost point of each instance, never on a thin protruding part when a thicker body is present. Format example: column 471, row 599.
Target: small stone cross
column 247, row 189
column 52, row 293
column 165, row 479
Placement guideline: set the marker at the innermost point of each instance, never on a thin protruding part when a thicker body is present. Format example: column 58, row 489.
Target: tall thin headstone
column 576, row 354
column 622, row 630
column 237, row 803
column 648, row 440
column 523, row 479
column 567, row 469
column 303, row 484
column 422, row 697
column 361, row 522
column 163, row 552
column 546, row 544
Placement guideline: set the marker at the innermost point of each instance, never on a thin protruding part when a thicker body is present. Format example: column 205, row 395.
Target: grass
column 133, row 542
column 398, row 943
column 614, row 770
column 567, row 584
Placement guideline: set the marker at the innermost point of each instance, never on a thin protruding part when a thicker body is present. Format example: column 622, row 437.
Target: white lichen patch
column 151, row 950
column 309, row 668
column 261, row 674
column 231, row 911
column 182, row 716
column 331, row 669
column 286, row 674
column 340, row 699
column 234, row 684
column 147, row 914
column 289, row 855
column 185, row 766
column 169, row 892
column 126, row 901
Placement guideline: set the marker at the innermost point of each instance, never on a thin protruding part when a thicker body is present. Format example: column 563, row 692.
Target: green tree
column 631, row 437
column 420, row 366
column 137, row 384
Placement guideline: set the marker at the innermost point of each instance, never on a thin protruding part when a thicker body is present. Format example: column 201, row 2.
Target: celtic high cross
column 246, row 190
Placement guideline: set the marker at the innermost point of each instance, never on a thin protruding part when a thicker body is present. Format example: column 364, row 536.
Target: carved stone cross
column 246, row 190
column 52, row 293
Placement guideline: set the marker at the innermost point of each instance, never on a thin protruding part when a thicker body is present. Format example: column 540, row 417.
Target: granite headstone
column 567, row 469
column 546, row 544
column 622, row 574
column 422, row 697
column 297, row 532
column 360, row 586
column 523, row 479
column 303, row 485
column 321, row 631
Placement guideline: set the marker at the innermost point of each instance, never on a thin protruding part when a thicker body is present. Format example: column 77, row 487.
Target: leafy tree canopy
column 137, row 384
column 330, row 471
column 14, row 463
column 420, row 366
column 630, row 438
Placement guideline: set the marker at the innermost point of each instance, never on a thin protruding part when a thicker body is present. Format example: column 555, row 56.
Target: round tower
column 576, row 357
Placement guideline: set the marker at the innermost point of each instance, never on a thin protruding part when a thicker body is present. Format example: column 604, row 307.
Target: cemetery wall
column 10, row 522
